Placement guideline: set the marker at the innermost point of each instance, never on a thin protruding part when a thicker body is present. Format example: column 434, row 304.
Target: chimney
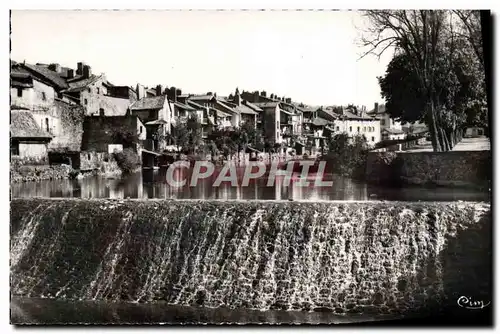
column 178, row 92
column 140, row 91
column 172, row 94
column 263, row 93
column 376, row 107
column 288, row 100
column 87, row 71
column 237, row 98
column 159, row 90
column 256, row 96
column 272, row 96
column 79, row 68
column 71, row 73
column 55, row 67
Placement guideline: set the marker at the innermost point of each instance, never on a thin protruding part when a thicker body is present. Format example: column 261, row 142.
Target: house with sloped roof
column 156, row 113
column 37, row 89
column 389, row 128
column 27, row 138
column 96, row 94
column 281, row 119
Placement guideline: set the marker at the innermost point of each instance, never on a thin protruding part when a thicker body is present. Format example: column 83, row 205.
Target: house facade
column 27, row 138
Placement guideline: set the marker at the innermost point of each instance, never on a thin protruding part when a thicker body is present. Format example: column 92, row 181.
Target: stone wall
column 456, row 168
column 69, row 130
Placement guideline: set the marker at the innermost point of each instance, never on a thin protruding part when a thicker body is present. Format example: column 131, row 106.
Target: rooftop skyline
column 310, row 56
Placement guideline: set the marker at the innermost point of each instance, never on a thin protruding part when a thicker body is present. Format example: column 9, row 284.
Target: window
column 89, row 90
column 350, row 129
column 44, row 97
column 358, row 128
column 382, row 122
column 85, row 101
column 47, row 124
column 98, row 91
column 140, row 129
column 101, row 111
column 364, row 128
column 373, row 138
column 338, row 128
column 19, row 92
column 14, row 147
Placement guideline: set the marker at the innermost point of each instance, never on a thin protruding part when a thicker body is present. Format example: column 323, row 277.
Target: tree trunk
column 431, row 120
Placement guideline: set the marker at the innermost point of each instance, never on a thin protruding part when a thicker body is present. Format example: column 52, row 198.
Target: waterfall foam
column 381, row 257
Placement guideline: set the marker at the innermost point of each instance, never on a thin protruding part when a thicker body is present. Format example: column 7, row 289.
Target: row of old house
column 61, row 109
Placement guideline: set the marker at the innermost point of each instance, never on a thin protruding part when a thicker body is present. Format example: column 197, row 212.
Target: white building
column 389, row 128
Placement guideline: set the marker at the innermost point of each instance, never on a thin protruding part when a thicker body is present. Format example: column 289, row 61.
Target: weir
column 342, row 257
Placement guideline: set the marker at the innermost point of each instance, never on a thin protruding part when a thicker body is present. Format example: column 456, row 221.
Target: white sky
column 310, row 56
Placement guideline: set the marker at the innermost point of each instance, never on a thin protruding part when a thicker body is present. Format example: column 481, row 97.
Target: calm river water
column 144, row 185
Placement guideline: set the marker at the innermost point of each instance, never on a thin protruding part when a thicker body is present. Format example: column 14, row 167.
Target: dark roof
column 23, row 125
column 153, row 102
column 81, row 83
column 48, row 75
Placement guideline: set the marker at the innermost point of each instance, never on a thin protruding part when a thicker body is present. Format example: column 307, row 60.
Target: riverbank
column 20, row 172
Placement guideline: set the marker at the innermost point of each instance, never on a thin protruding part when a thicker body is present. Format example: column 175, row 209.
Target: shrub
column 127, row 160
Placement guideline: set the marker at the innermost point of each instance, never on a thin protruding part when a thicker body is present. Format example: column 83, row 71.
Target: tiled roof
column 318, row 121
column 183, row 106
column 349, row 115
column 154, row 102
column 242, row 109
column 393, row 131
column 252, row 106
column 328, row 114
column 266, row 104
column 23, row 125
column 47, row 74
column 224, row 106
column 200, row 97
column 195, row 105
column 81, row 83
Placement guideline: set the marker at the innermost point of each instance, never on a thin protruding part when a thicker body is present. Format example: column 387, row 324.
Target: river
column 153, row 185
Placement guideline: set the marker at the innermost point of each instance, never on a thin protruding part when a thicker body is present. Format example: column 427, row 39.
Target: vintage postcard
column 251, row 167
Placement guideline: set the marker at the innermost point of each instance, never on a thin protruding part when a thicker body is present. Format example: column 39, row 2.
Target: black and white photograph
column 251, row 167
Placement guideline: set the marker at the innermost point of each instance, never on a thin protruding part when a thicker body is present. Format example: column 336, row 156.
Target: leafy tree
column 436, row 66
column 347, row 157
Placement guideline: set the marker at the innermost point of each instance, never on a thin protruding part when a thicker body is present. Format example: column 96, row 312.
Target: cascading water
column 380, row 257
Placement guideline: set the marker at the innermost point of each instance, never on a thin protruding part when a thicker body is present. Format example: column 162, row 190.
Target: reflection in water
column 153, row 185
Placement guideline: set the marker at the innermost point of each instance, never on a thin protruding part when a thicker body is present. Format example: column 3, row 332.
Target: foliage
column 186, row 135
column 126, row 136
column 436, row 73
column 347, row 157
column 127, row 160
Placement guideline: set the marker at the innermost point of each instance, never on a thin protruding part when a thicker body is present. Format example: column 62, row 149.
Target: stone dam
column 340, row 257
